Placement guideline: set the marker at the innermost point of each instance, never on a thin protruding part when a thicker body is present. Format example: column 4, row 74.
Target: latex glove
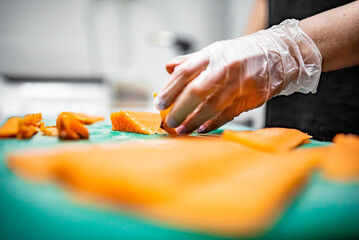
column 212, row 86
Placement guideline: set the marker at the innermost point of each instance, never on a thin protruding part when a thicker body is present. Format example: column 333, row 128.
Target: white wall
column 40, row 36
column 109, row 37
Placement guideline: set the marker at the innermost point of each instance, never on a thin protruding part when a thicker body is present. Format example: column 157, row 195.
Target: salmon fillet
column 137, row 122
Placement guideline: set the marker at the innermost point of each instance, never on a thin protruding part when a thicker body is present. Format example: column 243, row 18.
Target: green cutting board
column 32, row 211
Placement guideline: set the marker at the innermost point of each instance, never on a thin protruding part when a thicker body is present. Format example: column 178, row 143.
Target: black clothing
column 335, row 107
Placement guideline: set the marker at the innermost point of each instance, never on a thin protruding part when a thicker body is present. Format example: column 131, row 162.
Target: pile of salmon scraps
column 22, row 128
column 142, row 122
column 69, row 125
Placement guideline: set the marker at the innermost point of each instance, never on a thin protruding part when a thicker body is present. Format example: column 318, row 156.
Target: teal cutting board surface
column 323, row 209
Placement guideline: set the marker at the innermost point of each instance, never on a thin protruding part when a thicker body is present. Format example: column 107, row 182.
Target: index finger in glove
column 209, row 109
column 181, row 76
column 170, row 65
column 222, row 98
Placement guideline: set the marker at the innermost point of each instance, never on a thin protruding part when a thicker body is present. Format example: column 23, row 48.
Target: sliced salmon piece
column 33, row 119
column 29, row 125
column 342, row 161
column 22, row 128
column 171, row 131
column 26, row 131
column 39, row 165
column 70, row 127
column 139, row 172
column 268, row 139
column 137, row 122
column 245, row 202
column 10, row 128
column 38, row 170
column 164, row 113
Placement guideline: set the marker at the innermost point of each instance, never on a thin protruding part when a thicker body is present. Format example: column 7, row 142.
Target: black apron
column 335, row 107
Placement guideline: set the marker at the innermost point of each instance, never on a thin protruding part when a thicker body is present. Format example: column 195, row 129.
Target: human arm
column 212, row 86
column 336, row 34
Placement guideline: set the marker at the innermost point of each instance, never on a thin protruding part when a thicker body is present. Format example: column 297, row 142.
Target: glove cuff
column 301, row 59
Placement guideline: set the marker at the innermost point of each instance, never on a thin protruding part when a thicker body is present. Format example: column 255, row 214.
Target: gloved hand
column 212, row 86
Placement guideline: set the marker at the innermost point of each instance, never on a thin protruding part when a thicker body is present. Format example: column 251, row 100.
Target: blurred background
column 99, row 56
